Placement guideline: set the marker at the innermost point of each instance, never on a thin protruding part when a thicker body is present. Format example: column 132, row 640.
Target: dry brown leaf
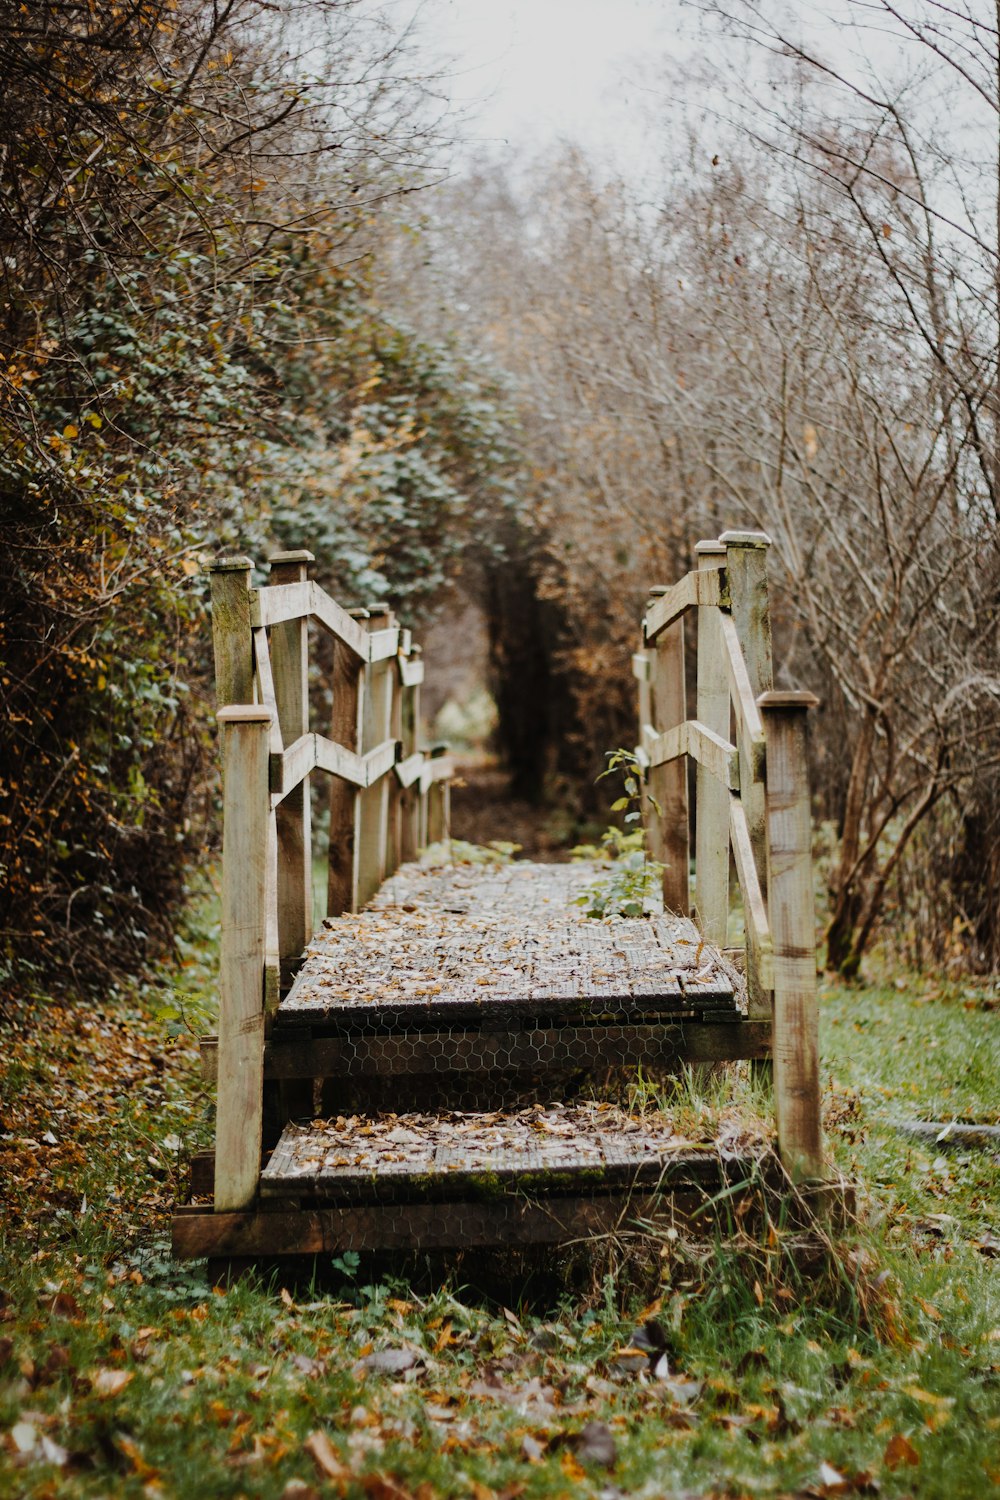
column 899, row 1451
column 325, row 1457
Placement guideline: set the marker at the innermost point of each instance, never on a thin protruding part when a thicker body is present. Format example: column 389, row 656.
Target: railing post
column 438, row 804
column 793, row 933
column 231, row 636
column 711, row 861
column 373, row 802
column 290, row 667
column 345, row 729
column 246, row 809
column 746, row 577
column 410, row 798
column 668, row 835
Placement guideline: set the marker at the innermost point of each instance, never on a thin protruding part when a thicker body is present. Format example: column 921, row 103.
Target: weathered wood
column 345, row 730
column 793, row 928
column 246, row 815
column 297, row 601
column 426, row 1226
column 265, row 688
column 719, row 758
column 749, row 729
column 641, row 669
column 615, row 1044
column 290, row 663
column 711, row 863
column 667, row 834
column 408, row 770
column 758, row 931
column 700, row 587
column 411, row 672
column 373, row 803
column 231, row 640
column 383, row 644
column 746, row 584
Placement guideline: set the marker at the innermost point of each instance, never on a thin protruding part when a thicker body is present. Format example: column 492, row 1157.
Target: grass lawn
column 733, row 1372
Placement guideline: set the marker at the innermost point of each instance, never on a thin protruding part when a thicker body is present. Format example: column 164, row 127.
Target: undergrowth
column 766, row 1356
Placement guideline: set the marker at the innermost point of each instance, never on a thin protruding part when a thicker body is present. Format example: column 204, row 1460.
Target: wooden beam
column 382, row 644
column 719, row 758
column 711, row 860
column 758, row 932
column 290, row 654
column 667, row 833
column 408, row 770
column 700, row 587
column 246, row 816
column 345, row 730
column 231, row 616
column 376, row 729
column 265, row 688
column 793, row 919
column 749, row 729
column 411, row 672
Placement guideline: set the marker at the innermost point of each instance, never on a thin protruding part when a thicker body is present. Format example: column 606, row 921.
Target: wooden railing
column 752, row 798
column 388, row 799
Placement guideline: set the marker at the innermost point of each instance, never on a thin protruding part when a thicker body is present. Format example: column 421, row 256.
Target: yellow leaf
column 69, row 431
column 102, row 683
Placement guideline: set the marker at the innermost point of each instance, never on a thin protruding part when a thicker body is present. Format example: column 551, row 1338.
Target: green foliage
column 633, row 879
column 191, row 360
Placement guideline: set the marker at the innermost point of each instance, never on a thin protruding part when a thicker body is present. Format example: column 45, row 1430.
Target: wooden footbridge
column 409, row 1076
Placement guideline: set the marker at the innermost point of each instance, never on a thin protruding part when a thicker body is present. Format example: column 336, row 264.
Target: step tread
column 483, row 945
column 554, row 1146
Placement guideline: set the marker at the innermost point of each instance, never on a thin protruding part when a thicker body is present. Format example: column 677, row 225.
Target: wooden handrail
column 748, row 744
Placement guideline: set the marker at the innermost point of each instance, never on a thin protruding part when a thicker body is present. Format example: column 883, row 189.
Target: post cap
column 277, row 559
column 658, row 590
column 709, row 549
column 416, row 650
column 379, row 607
column 745, row 539
column 231, row 565
column 358, row 614
column 787, row 698
column 245, row 713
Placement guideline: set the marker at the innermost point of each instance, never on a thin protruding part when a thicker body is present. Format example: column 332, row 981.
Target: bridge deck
column 488, row 945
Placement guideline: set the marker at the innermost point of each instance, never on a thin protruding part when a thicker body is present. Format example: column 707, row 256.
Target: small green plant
column 633, row 879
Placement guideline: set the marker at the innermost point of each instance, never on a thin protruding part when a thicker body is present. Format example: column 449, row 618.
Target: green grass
column 125, row 1374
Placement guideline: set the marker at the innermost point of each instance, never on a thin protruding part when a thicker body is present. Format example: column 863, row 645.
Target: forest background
column 246, row 307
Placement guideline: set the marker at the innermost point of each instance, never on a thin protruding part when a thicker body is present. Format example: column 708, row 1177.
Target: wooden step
column 443, row 1156
column 489, row 948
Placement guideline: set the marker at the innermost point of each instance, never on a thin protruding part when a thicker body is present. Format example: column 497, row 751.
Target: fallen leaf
column 297, row 1489
column 595, row 1444
column 831, row 1481
column 898, row 1451
column 325, row 1457
column 389, row 1361
column 110, row 1382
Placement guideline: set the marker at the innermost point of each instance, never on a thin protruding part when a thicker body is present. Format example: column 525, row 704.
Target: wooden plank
column 699, row 587
column 408, row 770
column 231, row 640
column 378, row 761
column 290, row 655
column 382, row 644
column 711, row 864
column 295, row 601
column 641, row 667
column 758, row 931
column 623, row 1044
column 667, row 833
column 345, row 731
column 718, row 756
column 793, row 918
column 338, row 761
column 373, row 803
column 288, row 769
column 246, row 815
column 411, row 673
column 265, row 688
column 428, row 1226
column 328, row 613
column 749, row 729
